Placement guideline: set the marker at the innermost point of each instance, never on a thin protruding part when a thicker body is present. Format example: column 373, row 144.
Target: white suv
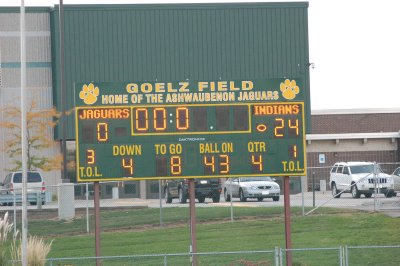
column 13, row 183
column 358, row 178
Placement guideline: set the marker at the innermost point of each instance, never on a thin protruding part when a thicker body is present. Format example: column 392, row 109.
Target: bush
column 37, row 249
column 5, row 229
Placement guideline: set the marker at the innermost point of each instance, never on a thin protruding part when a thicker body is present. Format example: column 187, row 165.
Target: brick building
column 352, row 135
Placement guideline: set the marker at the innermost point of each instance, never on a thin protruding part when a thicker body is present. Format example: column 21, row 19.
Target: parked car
column 358, row 178
column 12, row 183
column 396, row 179
column 204, row 188
column 259, row 187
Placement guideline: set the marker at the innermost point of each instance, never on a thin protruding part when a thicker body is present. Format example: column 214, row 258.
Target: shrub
column 37, row 251
column 5, row 229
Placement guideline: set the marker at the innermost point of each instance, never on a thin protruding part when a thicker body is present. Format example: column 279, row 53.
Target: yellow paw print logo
column 289, row 89
column 89, row 93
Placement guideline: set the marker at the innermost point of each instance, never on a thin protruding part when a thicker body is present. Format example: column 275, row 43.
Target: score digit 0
column 102, row 132
column 157, row 121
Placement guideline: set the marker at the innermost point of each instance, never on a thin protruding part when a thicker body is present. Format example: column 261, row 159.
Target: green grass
column 138, row 231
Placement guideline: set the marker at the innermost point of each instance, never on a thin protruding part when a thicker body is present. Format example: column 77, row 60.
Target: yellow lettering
column 183, row 86
column 132, row 88
column 202, row 85
column 160, row 87
column 256, row 146
column 222, row 86
column 247, row 85
column 123, row 150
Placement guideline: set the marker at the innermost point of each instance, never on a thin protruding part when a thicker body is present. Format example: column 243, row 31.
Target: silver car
column 259, row 187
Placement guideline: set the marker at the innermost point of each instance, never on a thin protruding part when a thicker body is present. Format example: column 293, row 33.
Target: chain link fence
column 308, row 194
column 312, row 191
column 342, row 256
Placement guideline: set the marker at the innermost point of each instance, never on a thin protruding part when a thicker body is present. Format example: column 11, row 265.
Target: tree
column 39, row 137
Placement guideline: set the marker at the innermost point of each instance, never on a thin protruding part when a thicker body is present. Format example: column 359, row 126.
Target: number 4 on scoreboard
column 127, row 165
column 257, row 162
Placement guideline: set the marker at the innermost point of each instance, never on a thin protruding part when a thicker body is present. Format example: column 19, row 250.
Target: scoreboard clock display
column 189, row 140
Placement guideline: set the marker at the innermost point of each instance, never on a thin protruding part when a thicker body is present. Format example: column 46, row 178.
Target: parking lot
column 307, row 200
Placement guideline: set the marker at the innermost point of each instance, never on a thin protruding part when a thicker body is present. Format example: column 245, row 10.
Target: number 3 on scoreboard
column 90, row 156
column 127, row 165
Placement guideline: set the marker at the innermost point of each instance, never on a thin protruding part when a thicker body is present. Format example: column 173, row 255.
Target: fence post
column 66, row 203
column 39, row 200
column 276, row 252
column 15, row 214
column 313, row 188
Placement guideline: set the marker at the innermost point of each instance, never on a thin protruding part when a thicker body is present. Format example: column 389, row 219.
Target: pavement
column 388, row 206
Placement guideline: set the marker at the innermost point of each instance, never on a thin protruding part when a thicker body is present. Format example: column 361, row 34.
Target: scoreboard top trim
column 188, row 92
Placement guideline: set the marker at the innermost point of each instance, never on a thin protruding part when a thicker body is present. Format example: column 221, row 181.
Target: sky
column 354, row 46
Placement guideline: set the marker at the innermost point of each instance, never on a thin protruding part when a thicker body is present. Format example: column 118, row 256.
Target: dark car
column 204, row 188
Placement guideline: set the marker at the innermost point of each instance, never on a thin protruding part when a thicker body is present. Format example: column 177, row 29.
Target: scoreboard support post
column 96, row 186
column 288, row 233
column 193, row 236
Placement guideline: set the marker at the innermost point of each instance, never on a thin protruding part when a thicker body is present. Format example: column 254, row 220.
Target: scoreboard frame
column 151, row 141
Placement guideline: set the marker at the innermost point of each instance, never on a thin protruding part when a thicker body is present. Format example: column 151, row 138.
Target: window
column 334, row 168
column 362, row 169
column 346, row 170
column 32, row 177
column 340, row 169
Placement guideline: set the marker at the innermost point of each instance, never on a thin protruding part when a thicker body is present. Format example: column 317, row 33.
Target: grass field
column 138, row 231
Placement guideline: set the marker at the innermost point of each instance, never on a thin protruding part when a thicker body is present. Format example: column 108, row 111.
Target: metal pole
column 288, row 238
column 313, row 189
column 96, row 186
column 230, row 193
column 24, row 241
column 302, row 195
column 193, row 221
column 15, row 214
column 63, row 96
column 376, row 207
column 87, row 207
column 160, row 196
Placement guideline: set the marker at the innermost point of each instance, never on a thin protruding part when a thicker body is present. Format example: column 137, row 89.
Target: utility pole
column 24, row 241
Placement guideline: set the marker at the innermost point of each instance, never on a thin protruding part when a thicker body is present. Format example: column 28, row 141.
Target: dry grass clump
column 37, row 249
column 5, row 229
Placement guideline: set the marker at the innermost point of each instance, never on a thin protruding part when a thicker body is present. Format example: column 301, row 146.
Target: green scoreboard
column 189, row 129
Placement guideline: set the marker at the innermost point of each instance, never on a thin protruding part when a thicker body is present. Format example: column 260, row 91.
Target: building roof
column 348, row 121
column 382, row 135
column 355, row 111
